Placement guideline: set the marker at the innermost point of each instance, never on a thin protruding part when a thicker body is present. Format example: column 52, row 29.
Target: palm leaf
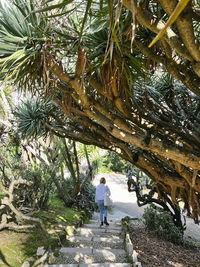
column 48, row 8
column 179, row 8
column 61, row 14
column 31, row 116
column 22, row 34
column 85, row 18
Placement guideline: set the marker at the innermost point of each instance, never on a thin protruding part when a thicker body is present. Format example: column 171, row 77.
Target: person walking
column 101, row 191
column 129, row 174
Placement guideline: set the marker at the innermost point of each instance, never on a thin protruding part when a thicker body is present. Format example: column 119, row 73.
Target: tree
column 100, row 85
column 23, row 190
column 28, row 175
column 178, row 50
column 114, row 163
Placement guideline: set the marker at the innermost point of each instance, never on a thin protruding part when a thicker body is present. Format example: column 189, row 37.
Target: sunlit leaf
column 179, row 8
column 48, row 8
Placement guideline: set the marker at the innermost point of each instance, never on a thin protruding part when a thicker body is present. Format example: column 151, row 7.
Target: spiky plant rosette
column 32, row 116
column 22, row 36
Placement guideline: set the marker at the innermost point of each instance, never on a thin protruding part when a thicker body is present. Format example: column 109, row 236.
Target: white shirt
column 100, row 191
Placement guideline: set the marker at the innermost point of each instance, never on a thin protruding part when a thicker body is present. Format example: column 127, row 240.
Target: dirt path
column 125, row 203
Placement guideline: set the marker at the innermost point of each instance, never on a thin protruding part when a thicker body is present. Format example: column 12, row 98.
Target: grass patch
column 11, row 248
column 2, row 195
column 15, row 248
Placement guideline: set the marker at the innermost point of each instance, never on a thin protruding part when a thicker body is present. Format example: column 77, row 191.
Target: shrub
column 160, row 223
column 26, row 198
column 36, row 195
column 86, row 198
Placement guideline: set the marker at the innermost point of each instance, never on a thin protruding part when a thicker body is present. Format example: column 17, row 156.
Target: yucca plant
column 32, row 117
column 22, row 36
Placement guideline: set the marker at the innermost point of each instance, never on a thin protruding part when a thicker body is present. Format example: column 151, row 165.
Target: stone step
column 95, row 242
column 101, row 231
column 114, row 222
column 93, row 246
column 91, row 251
column 91, row 265
column 111, row 226
column 90, row 255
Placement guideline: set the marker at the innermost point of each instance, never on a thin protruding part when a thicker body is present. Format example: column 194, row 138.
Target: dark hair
column 102, row 180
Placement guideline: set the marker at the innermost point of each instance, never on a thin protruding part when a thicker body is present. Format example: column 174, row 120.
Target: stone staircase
column 94, row 246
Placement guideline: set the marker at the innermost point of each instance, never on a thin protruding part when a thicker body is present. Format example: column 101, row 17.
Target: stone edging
column 131, row 253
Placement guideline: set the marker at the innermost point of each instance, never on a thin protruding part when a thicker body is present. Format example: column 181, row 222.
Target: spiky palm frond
column 31, row 116
column 109, row 51
column 22, row 34
column 179, row 8
column 165, row 91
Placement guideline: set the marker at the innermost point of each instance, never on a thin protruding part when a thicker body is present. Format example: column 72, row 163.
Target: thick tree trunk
column 150, row 142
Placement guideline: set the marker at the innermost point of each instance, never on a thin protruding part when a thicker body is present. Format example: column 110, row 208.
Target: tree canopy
column 90, row 59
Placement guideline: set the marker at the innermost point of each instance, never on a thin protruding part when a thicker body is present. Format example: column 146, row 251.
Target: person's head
column 102, row 180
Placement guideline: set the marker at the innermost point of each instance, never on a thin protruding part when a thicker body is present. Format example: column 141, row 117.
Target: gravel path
column 125, row 203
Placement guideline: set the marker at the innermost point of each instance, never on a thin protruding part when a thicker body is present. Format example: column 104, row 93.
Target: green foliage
column 37, row 195
column 29, row 32
column 125, row 222
column 31, row 116
column 34, row 196
column 161, row 223
column 22, row 34
column 93, row 151
column 86, row 198
column 94, row 154
column 2, row 195
column 58, row 213
column 114, row 162
column 19, row 247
